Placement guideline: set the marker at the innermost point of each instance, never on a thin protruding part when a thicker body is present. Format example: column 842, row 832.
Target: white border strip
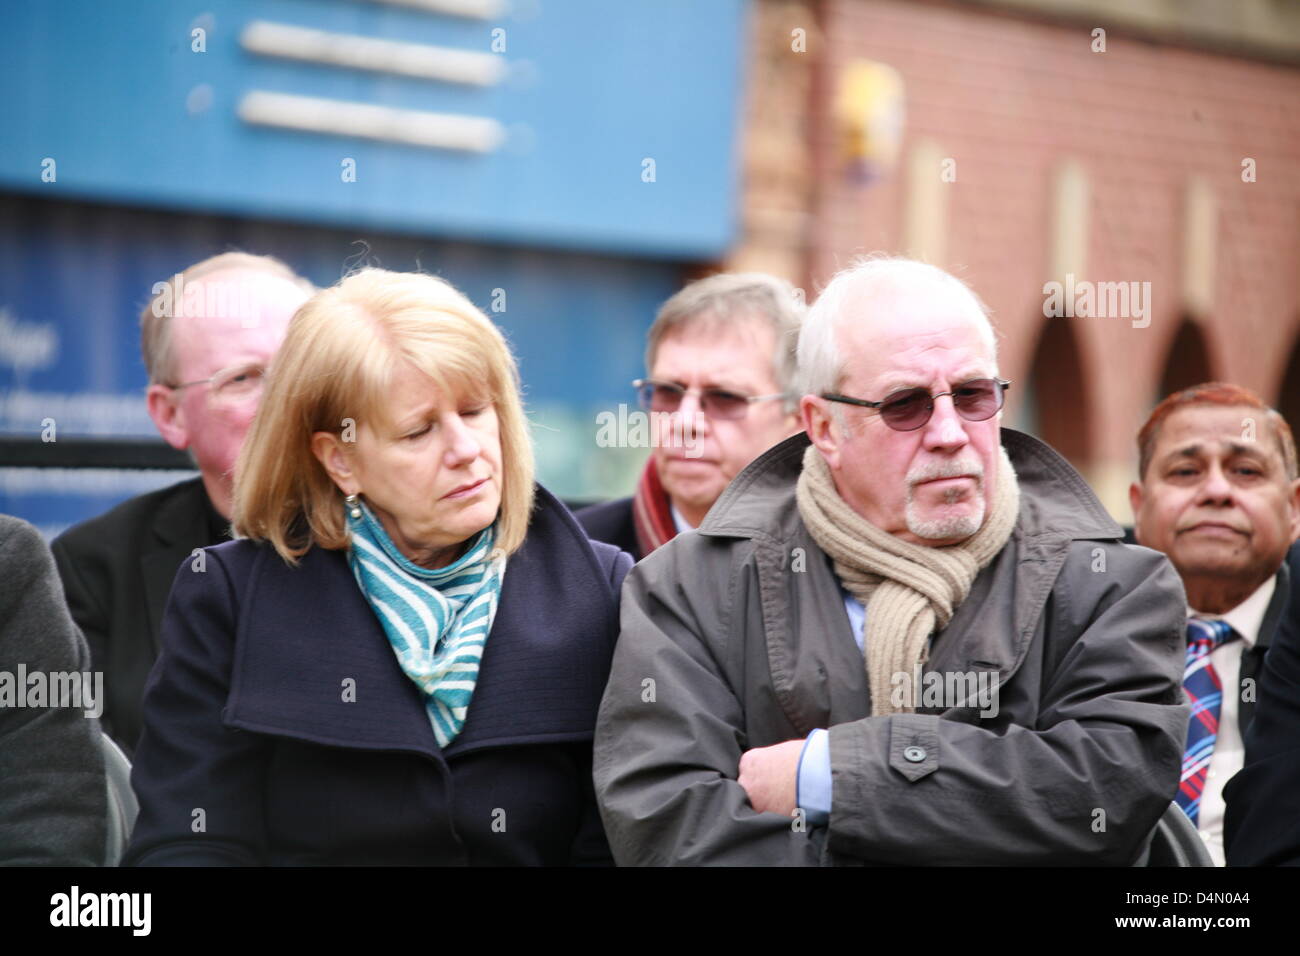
column 349, row 50
column 474, row 134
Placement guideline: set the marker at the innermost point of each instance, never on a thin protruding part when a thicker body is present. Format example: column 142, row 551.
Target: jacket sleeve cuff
column 813, row 788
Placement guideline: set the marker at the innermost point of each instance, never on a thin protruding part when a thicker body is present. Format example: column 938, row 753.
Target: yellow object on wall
column 869, row 113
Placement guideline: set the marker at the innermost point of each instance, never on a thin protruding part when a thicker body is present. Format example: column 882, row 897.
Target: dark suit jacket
column 117, row 570
column 53, row 798
column 1262, row 821
column 611, row 522
column 1252, row 660
column 247, row 718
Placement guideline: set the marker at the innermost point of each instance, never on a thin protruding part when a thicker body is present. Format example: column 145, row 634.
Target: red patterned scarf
column 652, row 512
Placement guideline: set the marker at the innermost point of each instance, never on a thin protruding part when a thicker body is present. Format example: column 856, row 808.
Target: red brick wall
column 1010, row 100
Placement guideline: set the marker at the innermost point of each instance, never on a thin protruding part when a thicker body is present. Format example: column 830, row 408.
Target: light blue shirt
column 813, row 789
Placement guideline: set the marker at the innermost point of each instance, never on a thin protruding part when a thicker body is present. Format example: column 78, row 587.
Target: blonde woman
column 401, row 659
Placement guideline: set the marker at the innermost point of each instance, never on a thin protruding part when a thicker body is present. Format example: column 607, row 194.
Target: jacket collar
column 1276, row 605
column 312, row 660
column 1063, row 504
column 817, row 672
column 1253, row 657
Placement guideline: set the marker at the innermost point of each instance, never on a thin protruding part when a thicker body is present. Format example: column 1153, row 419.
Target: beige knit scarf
column 910, row 591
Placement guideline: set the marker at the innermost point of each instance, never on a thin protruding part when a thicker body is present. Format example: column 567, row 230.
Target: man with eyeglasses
column 906, row 636
column 207, row 335
column 720, row 356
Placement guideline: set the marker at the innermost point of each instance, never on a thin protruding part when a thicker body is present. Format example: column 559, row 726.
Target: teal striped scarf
column 437, row 620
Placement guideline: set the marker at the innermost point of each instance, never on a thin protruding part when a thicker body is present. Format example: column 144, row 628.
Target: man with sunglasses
column 721, row 363
column 207, row 336
column 906, row 636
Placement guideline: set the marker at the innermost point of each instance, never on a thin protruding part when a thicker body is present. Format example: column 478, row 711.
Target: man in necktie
column 1204, row 690
column 1218, row 493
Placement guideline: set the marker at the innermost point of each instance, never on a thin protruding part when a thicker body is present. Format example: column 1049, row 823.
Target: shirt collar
column 1247, row 616
column 682, row 524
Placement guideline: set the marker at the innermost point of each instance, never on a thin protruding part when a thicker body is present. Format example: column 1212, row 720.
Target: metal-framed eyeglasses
column 717, row 403
column 239, row 383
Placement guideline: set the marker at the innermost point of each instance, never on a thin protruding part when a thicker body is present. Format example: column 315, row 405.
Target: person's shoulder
column 1098, row 573
column 557, row 540
column 243, row 557
column 610, row 522
column 1292, row 564
column 552, row 525
column 128, row 517
column 244, row 572
column 242, row 551
column 604, row 514
column 32, row 611
column 19, row 536
column 1115, row 556
column 614, row 562
column 24, row 556
column 701, row 567
column 760, row 501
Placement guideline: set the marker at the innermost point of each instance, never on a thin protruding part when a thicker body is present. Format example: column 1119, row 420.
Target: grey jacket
column 736, row 637
column 53, row 797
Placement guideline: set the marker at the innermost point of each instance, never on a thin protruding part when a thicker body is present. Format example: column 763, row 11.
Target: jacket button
column 914, row 754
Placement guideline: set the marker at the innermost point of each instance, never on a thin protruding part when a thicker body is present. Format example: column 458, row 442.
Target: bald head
column 870, row 308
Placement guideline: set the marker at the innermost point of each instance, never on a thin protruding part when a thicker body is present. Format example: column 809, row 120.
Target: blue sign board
column 560, row 161
column 575, row 123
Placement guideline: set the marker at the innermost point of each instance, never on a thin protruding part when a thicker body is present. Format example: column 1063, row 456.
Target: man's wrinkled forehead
column 909, row 339
column 1202, row 430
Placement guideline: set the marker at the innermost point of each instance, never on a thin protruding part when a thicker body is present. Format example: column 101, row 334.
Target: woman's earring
column 353, row 505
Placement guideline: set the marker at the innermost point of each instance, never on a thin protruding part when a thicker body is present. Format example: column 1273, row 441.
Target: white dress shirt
column 679, row 520
column 1229, row 750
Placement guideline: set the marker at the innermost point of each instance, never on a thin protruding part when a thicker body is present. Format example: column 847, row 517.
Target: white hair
column 821, row 367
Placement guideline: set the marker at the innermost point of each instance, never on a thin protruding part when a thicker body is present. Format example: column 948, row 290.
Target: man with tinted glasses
column 906, row 636
column 721, row 362
column 207, row 337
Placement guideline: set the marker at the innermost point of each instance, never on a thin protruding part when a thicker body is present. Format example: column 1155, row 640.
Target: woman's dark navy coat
column 280, row 729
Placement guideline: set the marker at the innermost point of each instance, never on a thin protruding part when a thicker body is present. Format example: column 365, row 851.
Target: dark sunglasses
column 714, row 402
column 910, row 408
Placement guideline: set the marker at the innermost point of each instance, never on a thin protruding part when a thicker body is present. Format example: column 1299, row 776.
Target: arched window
column 1288, row 396
column 1187, row 362
column 1055, row 405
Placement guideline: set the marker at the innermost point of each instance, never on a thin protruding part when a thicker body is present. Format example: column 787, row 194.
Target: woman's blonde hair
column 335, row 370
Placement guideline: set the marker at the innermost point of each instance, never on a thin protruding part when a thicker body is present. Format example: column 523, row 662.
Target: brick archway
column 1056, row 405
column 1187, row 362
column 1287, row 400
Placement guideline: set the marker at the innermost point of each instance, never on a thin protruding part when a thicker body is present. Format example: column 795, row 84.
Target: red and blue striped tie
column 1205, row 694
